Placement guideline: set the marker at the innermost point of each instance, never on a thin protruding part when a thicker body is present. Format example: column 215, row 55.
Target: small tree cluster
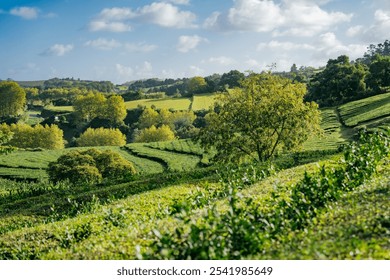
column 90, row 166
column 32, row 137
column 5, row 137
column 12, row 99
column 101, row 137
column 95, row 105
column 180, row 123
column 153, row 134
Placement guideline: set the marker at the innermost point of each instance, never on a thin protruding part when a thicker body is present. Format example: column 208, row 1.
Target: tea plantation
column 316, row 203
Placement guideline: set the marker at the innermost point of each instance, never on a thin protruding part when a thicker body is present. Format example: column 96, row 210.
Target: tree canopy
column 267, row 114
column 12, row 99
column 340, row 82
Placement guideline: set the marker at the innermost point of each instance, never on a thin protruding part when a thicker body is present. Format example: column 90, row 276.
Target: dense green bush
column 90, row 166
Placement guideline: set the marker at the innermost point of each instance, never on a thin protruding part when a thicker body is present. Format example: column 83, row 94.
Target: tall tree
column 89, row 106
column 266, row 115
column 115, row 109
column 378, row 79
column 12, row 99
column 340, row 82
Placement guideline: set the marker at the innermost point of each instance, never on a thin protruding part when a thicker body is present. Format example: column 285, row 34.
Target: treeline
column 343, row 80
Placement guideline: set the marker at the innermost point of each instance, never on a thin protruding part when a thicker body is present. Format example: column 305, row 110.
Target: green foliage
column 90, row 166
column 25, row 136
column 340, row 82
column 153, row 134
column 89, row 106
column 12, row 99
column 5, row 137
column 266, row 116
column 101, row 137
column 378, row 79
column 196, row 85
column 246, row 228
column 115, row 109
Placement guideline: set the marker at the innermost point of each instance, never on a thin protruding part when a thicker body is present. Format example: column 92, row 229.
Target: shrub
column 101, row 137
column 153, row 134
column 25, row 136
column 90, row 166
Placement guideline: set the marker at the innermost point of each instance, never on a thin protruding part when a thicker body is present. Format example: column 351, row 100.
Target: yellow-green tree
column 196, row 85
column 25, row 136
column 267, row 114
column 115, row 109
column 5, row 137
column 148, row 118
column 153, row 134
column 101, row 137
column 12, row 99
column 89, row 106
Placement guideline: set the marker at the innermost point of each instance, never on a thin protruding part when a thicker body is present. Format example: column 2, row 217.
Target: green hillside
column 39, row 220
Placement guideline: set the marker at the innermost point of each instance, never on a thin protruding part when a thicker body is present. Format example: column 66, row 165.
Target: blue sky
column 124, row 40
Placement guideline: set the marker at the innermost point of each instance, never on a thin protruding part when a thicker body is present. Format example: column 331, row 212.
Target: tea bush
column 246, row 229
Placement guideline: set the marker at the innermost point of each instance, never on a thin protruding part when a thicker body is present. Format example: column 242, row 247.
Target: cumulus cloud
column 222, row 60
column 301, row 18
column 187, row 43
column 159, row 13
column 125, row 72
column 25, row 12
column 58, row 50
column 103, row 44
column 179, row 2
column 376, row 32
column 115, row 26
column 286, row 46
column 139, row 47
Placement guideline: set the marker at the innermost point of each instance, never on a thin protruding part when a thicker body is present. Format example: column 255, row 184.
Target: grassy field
column 168, row 103
column 203, row 101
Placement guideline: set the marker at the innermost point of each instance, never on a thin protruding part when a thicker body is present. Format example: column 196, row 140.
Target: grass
column 167, row 103
column 365, row 110
column 203, row 101
column 172, row 161
column 60, row 109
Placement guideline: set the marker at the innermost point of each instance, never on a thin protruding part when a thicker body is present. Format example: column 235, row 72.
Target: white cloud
column 145, row 70
column 179, row 2
column 58, row 50
column 139, row 47
column 125, row 72
column 354, row 30
column 187, row 43
column 286, row 46
column 378, row 31
column 222, row 60
column 159, row 13
column 195, row 71
column 25, row 12
column 115, row 26
column 103, row 44
column 300, row 18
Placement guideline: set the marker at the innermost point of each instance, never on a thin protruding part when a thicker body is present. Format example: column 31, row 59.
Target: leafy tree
column 378, row 78
column 12, row 99
column 28, row 137
column 231, row 79
column 263, row 117
column 382, row 49
column 338, row 83
column 196, row 85
column 89, row 106
column 153, row 134
column 90, row 166
column 5, row 137
column 101, row 137
column 148, row 118
column 115, row 109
